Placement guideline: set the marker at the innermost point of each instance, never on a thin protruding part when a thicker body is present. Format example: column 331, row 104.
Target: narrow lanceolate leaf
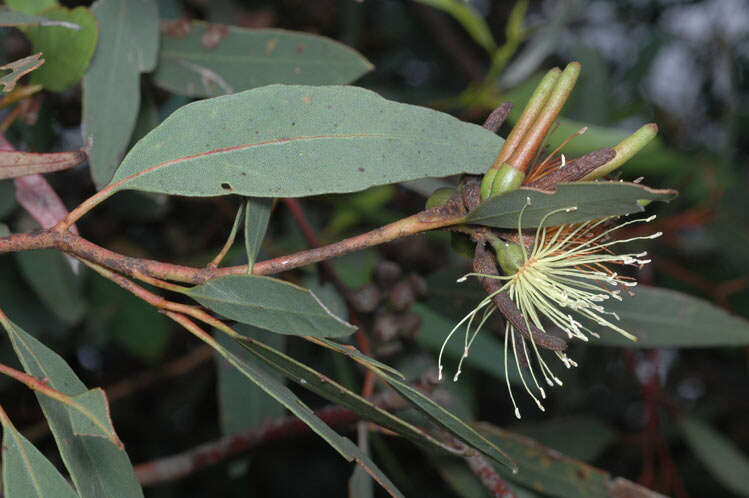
column 436, row 413
column 128, row 44
column 256, row 218
column 14, row 163
column 26, row 472
column 97, row 465
column 67, row 51
column 293, row 141
column 335, row 393
column 587, row 200
column 547, row 470
column 205, row 60
column 286, row 397
column 271, row 304
column 720, row 455
column 10, row 17
column 243, row 405
column 450, row 422
column 666, row 318
column 18, row 69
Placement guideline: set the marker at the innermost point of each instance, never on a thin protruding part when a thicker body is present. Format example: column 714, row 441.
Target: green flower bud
column 510, row 256
column 439, row 197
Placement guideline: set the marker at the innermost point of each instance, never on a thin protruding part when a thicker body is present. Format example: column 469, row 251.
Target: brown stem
column 77, row 246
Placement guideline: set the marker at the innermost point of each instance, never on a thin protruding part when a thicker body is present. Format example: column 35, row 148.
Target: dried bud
column 401, row 295
column 418, row 285
column 409, row 325
column 366, row 298
column 387, row 272
column 385, row 327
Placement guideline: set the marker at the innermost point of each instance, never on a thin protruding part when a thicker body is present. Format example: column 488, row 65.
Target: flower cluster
column 558, row 283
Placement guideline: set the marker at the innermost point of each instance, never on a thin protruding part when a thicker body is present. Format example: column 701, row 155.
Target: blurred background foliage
column 671, row 419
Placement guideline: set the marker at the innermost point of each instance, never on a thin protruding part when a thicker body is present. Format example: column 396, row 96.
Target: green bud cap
column 507, row 179
column 510, row 256
column 439, row 197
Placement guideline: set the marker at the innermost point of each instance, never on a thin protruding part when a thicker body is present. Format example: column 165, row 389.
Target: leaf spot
column 226, row 186
column 306, row 99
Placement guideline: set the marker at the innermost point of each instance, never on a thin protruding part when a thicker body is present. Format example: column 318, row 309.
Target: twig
column 78, row 246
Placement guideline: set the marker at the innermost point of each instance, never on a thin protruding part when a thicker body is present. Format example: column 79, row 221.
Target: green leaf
column 242, row 404
column 286, row 397
column 270, row 304
column 128, row 45
column 68, row 52
column 98, row 466
column 666, row 318
column 10, row 17
column 334, row 392
column 26, row 472
column 449, row 422
column 4, row 232
column 256, row 218
column 723, row 459
column 292, row 141
column 486, row 354
column 469, row 18
column 7, row 199
column 18, row 69
column 205, row 60
column 52, row 278
column 546, row 470
column 592, row 200
column 31, row 6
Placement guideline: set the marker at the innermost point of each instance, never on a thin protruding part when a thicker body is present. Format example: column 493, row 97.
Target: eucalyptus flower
column 561, row 281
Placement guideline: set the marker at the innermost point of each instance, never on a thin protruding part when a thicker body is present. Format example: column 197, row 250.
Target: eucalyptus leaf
column 270, row 304
column 292, row 141
column 97, row 465
column 720, row 455
column 26, row 472
column 666, row 318
column 580, row 201
column 334, row 392
column 199, row 59
column 128, row 45
column 256, row 218
column 242, row 404
column 67, row 52
column 286, row 397
column 547, row 470
column 18, row 69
